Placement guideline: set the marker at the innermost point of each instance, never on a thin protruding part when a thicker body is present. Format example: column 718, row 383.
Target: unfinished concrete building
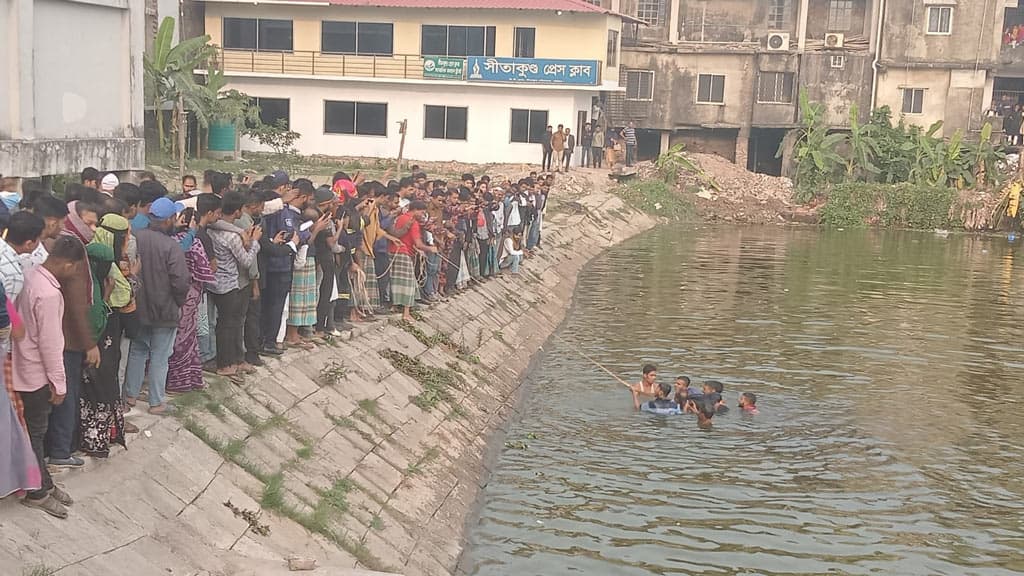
column 724, row 76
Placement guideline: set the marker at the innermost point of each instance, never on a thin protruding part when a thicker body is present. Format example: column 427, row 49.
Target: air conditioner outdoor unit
column 778, row 42
column 834, row 40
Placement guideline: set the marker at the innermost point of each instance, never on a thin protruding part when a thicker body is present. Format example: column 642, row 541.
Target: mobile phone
column 187, row 215
column 305, row 225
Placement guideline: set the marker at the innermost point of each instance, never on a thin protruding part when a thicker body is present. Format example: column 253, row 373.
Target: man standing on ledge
column 629, row 135
column 558, row 146
column 545, row 163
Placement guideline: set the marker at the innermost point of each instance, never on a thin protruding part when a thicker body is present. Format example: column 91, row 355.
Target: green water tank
column 221, row 137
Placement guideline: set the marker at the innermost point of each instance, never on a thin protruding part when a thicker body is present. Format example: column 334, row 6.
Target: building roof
column 548, row 5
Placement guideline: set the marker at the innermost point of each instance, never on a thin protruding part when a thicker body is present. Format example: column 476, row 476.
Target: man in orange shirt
column 404, row 287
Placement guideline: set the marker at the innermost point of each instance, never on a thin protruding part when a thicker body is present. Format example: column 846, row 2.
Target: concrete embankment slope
column 367, row 454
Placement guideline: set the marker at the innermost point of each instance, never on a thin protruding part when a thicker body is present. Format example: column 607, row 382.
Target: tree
column 170, row 76
column 815, row 154
column 226, row 106
column 864, row 148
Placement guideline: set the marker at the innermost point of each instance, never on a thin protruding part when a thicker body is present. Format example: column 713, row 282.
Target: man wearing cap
column 108, row 184
column 278, row 265
column 165, row 285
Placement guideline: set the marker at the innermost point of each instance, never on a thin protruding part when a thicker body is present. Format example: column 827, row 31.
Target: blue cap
column 164, row 208
column 280, row 178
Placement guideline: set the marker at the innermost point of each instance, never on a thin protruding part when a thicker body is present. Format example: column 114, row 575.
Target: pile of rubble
column 725, row 191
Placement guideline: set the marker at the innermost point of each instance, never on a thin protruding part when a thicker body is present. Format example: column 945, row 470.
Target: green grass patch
column 437, row 382
column 417, row 468
column 275, row 421
column 656, row 197
column 377, row 523
column 369, row 405
column 272, row 497
column 305, row 452
column 38, row 570
column 343, row 422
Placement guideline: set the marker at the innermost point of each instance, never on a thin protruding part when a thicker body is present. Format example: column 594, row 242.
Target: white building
column 71, row 86
column 476, row 80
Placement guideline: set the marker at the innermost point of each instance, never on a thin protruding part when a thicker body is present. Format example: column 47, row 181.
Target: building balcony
column 472, row 69
column 1011, row 60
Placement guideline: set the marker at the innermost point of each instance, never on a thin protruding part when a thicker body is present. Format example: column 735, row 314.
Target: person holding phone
column 282, row 230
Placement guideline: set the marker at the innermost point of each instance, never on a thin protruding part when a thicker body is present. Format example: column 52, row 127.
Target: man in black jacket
column 165, row 282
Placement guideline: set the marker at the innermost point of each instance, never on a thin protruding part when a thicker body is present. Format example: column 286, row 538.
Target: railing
column 308, row 63
column 321, row 64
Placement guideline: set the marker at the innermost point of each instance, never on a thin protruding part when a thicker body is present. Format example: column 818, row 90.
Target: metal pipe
column 878, row 55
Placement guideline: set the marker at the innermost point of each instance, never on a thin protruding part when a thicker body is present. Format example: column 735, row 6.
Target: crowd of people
column 597, row 147
column 118, row 284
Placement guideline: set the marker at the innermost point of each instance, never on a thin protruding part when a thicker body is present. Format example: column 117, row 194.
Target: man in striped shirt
column 629, row 135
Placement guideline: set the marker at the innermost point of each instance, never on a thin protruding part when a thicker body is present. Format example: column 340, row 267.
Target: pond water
column 889, row 368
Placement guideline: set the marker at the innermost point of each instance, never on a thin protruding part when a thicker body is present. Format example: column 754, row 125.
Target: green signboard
column 443, row 67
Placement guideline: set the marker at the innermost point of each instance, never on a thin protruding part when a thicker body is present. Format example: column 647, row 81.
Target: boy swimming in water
column 714, row 389
column 646, row 387
column 661, row 403
column 683, row 390
column 748, row 403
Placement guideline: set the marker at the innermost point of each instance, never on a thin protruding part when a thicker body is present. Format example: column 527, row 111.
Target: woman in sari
column 102, row 408
column 19, row 467
column 185, row 368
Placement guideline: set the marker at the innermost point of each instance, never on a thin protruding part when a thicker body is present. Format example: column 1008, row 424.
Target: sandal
column 48, row 504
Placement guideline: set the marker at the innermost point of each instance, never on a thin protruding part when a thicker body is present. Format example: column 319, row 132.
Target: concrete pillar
column 801, row 28
column 673, row 21
column 665, row 143
column 134, row 24
column 23, row 113
column 742, row 145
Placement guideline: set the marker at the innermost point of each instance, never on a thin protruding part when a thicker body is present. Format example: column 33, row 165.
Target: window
column 529, row 125
column 775, row 87
column 613, row 48
column 363, row 118
column 240, row 33
column 913, row 100
column 525, row 39
column 274, row 35
column 838, row 61
column 274, row 109
column 840, row 14
column 778, row 14
column 445, row 123
column 940, row 19
column 711, row 89
column 356, row 38
column 457, row 40
column 651, row 11
column 258, row 34
column 639, row 85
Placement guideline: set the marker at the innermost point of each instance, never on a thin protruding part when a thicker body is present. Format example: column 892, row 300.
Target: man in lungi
column 404, row 288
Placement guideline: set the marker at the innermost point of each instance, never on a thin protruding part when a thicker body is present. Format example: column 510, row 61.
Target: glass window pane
column 524, row 42
column 275, row 35
column 240, row 33
column 455, row 125
column 338, row 37
column 274, row 109
column 613, row 48
column 375, row 38
column 718, row 89
column 372, row 119
column 538, row 123
column 489, row 42
column 433, row 122
column 434, row 40
column 457, row 41
column 704, row 88
column 475, row 41
column 339, row 117
column 520, row 125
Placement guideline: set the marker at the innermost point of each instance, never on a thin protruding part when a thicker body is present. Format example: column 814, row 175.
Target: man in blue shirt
column 279, row 260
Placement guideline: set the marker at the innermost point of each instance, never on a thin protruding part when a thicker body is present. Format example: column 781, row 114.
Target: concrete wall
column 957, row 97
column 403, row 480
column 488, row 117
column 838, row 88
column 776, row 114
column 75, row 92
column 569, row 36
column 675, row 89
column 977, row 26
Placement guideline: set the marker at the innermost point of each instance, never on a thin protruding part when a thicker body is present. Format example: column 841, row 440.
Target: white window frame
column 838, row 62
column 928, row 21
column 840, row 19
column 779, row 14
column 711, row 103
column 639, row 97
column 903, row 98
column 651, row 11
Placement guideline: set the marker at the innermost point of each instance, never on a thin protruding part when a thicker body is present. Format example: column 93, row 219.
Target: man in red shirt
column 404, row 287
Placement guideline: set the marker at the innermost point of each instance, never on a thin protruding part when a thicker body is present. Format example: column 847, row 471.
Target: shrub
column 895, row 205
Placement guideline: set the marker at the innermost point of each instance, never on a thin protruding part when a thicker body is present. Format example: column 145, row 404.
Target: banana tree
column 170, row 75
column 227, row 106
column 864, row 148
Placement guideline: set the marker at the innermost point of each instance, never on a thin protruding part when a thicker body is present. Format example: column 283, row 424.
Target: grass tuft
column 437, row 382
